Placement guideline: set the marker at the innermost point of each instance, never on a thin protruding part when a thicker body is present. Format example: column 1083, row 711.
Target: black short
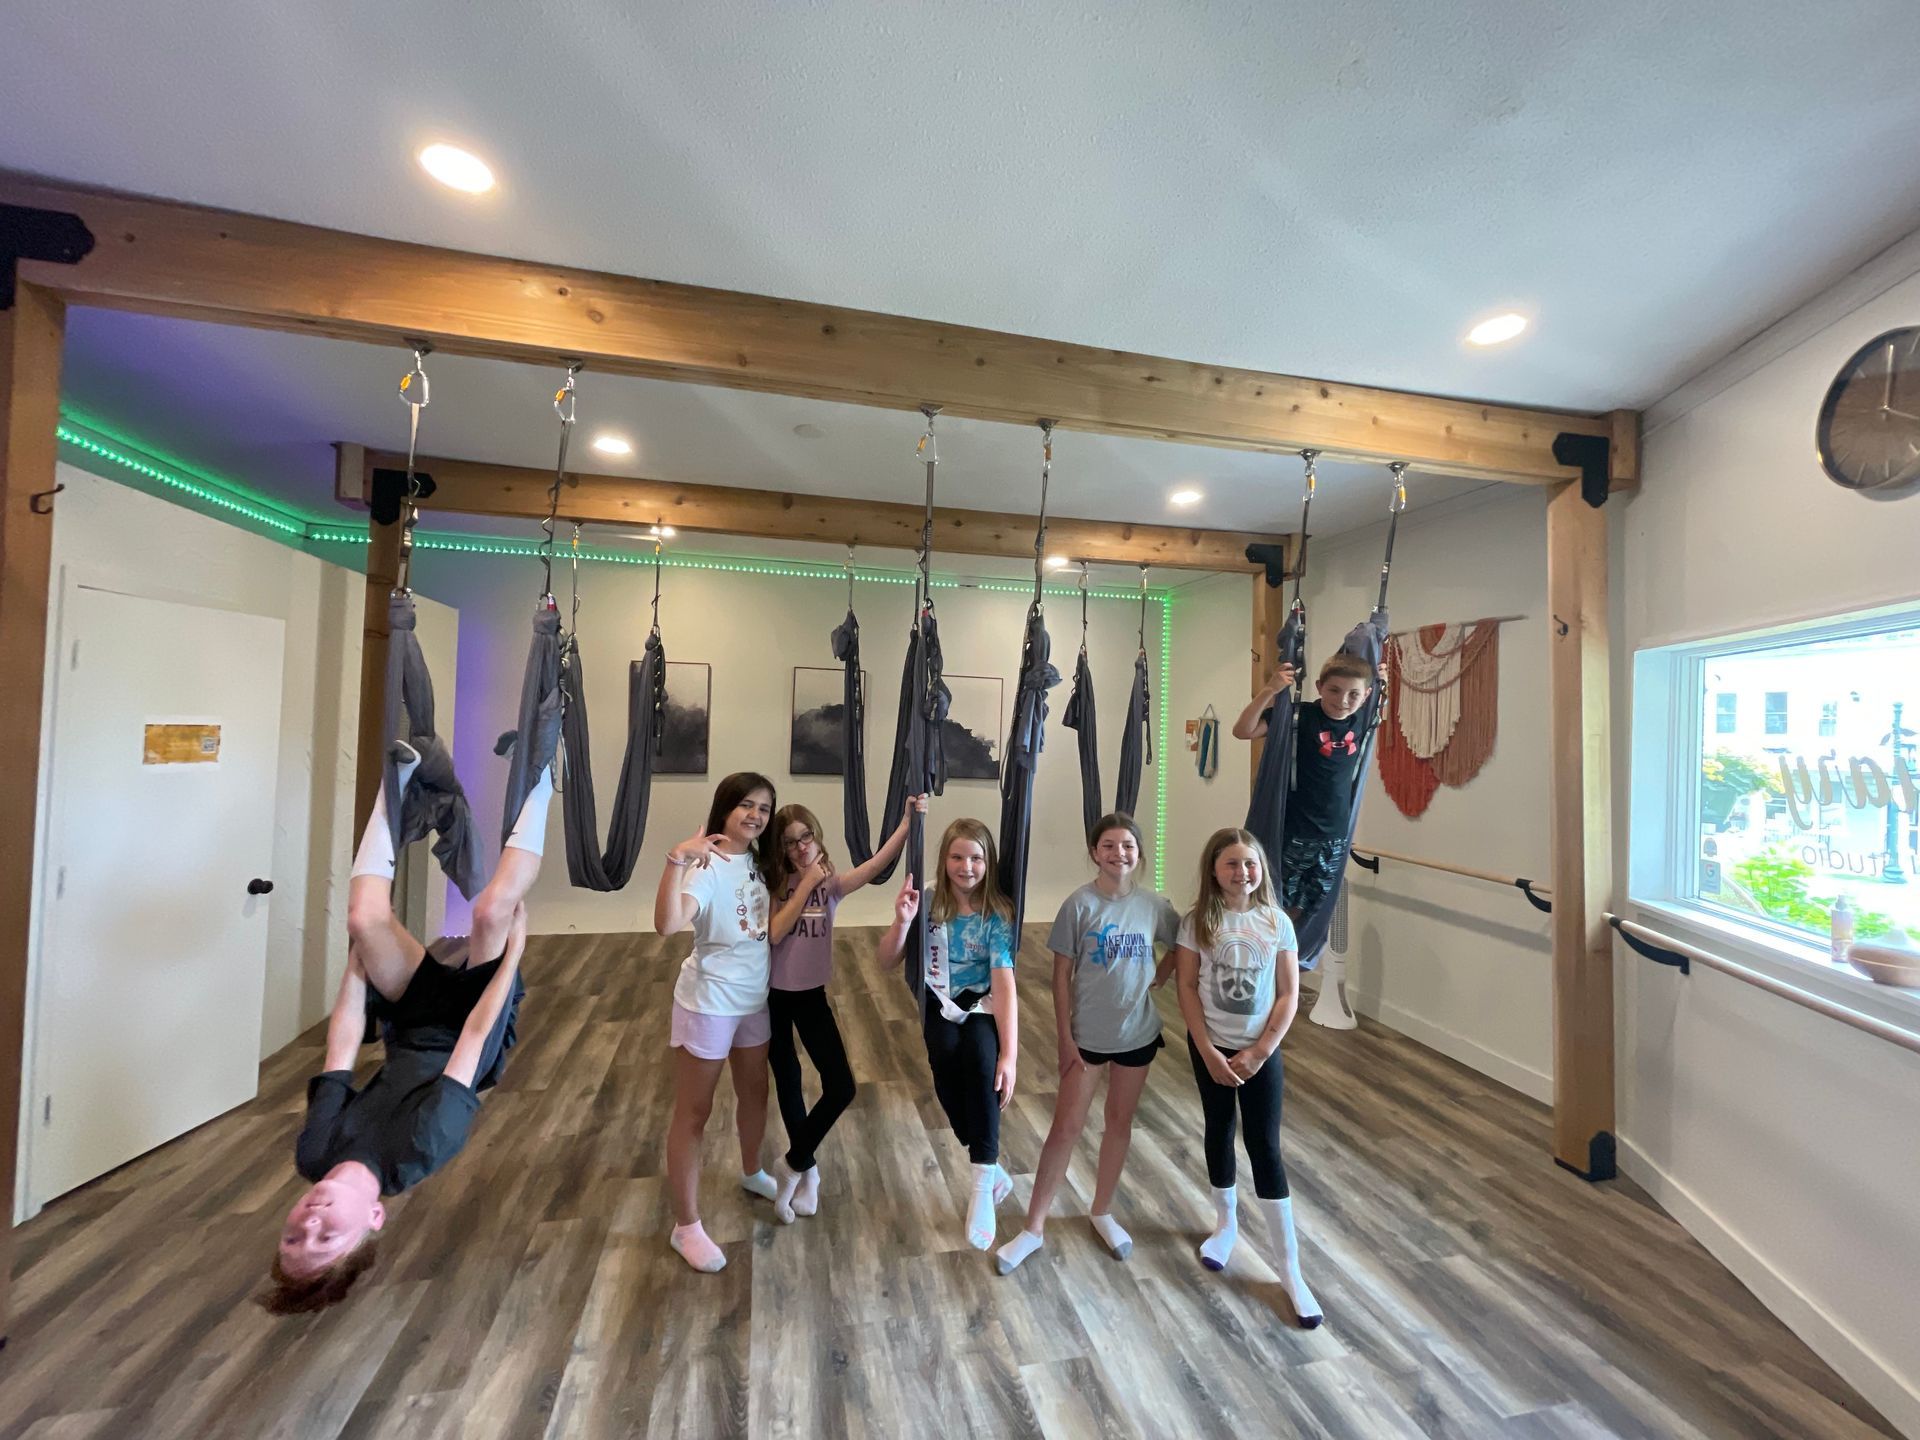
column 1133, row 1059
column 429, row 1015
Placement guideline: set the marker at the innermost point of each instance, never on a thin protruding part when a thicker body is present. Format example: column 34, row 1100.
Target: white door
column 166, row 731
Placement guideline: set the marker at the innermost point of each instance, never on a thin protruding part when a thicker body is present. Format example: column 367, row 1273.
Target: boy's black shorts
column 1309, row 871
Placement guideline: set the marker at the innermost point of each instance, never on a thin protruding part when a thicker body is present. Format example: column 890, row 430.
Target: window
column 1771, row 836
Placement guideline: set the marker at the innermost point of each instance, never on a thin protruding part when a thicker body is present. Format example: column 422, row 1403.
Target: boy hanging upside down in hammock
column 446, row 1014
column 1328, row 753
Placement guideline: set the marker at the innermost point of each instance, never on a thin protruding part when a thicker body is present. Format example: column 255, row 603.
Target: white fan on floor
column 1331, row 1008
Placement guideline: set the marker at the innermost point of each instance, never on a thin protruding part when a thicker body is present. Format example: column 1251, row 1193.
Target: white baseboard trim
column 1471, row 1053
column 1896, row 1397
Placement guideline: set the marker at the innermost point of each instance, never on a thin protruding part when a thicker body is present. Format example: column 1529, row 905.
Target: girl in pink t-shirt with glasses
column 807, row 891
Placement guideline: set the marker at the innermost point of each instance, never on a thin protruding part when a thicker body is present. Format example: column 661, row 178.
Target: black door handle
column 259, row 887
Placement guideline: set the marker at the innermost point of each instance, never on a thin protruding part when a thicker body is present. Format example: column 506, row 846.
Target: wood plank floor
column 1472, row 1288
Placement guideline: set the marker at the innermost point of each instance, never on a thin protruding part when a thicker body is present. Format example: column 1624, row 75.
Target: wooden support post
column 1269, row 614
column 383, row 573
column 1583, row 1138
column 30, row 341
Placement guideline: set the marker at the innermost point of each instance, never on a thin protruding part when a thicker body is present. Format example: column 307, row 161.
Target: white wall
column 1212, row 665
column 753, row 629
column 147, row 546
column 1789, row 1144
column 1458, row 964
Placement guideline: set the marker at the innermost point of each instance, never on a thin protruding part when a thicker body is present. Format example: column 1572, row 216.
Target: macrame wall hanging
column 1443, row 704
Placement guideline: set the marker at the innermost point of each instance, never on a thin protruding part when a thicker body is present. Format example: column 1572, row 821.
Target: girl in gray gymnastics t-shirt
column 1104, row 969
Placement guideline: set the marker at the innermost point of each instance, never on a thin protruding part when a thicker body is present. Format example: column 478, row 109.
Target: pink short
column 711, row 1036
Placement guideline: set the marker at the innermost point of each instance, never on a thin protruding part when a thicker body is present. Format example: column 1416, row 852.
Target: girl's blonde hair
column 784, row 870
column 988, row 899
column 1211, row 906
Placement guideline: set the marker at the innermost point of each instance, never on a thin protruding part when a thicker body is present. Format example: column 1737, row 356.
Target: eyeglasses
column 798, row 842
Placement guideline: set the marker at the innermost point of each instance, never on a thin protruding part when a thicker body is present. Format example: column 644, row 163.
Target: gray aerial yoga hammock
column 588, row 866
column 535, row 739
column 853, row 747
column 1136, row 741
column 1273, row 782
column 1082, row 716
column 434, row 803
column 920, row 751
column 1028, row 732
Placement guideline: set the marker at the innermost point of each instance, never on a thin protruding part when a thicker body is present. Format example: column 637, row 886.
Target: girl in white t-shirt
column 715, row 883
column 1239, row 967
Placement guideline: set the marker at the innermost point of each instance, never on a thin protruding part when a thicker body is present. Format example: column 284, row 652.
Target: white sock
column 980, row 1209
column 696, row 1248
column 1118, row 1241
column 759, row 1183
column 375, row 855
column 1002, row 1184
column 1286, row 1260
column 806, row 1199
column 788, row 1182
column 1217, row 1248
column 1008, row 1257
column 530, row 830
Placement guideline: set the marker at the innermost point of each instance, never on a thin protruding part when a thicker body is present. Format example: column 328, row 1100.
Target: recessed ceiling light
column 457, row 169
column 1184, row 497
column 808, row 432
column 1497, row 329
column 1056, row 562
column 612, row 445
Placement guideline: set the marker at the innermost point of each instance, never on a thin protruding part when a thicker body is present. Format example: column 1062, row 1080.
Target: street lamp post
column 1892, row 873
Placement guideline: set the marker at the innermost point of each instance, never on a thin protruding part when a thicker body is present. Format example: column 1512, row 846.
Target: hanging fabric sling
column 1082, row 717
column 531, row 745
column 920, row 763
column 1274, row 781
column 1136, row 741
column 435, row 804
column 853, row 745
column 590, row 867
column 1027, row 734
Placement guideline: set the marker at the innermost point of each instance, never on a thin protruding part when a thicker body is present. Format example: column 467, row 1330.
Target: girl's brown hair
column 988, row 899
column 727, row 796
column 781, row 878
column 1211, row 906
column 1118, row 820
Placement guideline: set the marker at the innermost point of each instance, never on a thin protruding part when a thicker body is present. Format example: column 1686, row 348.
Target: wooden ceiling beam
column 478, row 488
column 164, row 258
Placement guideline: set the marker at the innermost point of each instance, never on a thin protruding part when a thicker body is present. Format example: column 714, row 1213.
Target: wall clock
column 1868, row 433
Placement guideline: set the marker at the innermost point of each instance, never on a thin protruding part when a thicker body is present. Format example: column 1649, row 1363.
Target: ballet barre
column 1537, row 896
column 1665, row 950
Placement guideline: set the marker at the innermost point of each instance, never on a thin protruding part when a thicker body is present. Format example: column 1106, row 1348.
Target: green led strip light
column 202, row 488
column 1160, row 769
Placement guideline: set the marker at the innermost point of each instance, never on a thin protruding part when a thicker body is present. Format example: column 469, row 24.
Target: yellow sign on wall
column 182, row 745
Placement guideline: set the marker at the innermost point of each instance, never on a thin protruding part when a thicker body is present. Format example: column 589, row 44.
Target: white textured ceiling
column 1327, row 190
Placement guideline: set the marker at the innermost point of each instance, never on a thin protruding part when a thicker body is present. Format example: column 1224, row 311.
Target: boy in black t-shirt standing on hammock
column 446, row 1014
column 1326, row 760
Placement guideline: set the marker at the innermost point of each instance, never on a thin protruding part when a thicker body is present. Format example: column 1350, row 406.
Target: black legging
column 807, row 1012
column 1260, row 1099
column 962, row 1058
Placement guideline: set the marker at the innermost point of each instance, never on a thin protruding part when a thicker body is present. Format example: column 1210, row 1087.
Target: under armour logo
column 1328, row 744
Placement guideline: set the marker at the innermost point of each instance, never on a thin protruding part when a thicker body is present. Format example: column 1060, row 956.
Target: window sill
column 1807, row 965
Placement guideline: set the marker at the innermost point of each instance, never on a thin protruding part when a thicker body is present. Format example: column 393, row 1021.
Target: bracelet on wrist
column 678, row 862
